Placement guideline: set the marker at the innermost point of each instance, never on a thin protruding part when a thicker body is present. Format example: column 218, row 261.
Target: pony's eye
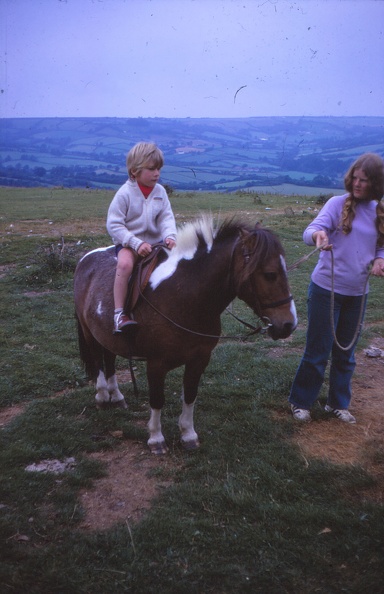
column 270, row 276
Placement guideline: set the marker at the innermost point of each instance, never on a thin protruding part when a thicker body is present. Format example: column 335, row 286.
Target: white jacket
column 133, row 219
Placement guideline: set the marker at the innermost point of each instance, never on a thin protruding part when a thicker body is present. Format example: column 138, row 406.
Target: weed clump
column 323, row 198
column 51, row 263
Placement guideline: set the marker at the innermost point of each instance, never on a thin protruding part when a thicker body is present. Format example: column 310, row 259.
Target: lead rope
column 301, row 260
column 332, row 309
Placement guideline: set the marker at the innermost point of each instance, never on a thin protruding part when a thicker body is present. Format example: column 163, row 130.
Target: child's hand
column 144, row 249
column 170, row 243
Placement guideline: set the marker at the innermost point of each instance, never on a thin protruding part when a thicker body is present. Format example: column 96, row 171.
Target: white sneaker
column 341, row 413
column 300, row 414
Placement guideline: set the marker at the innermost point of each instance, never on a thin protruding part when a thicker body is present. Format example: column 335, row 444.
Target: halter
column 247, row 256
column 276, row 303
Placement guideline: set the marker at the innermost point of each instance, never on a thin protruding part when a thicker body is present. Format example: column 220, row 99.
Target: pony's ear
column 244, row 233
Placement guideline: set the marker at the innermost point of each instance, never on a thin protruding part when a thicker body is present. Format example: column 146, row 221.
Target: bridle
column 247, row 256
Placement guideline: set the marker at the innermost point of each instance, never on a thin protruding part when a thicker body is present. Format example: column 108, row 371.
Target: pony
column 178, row 312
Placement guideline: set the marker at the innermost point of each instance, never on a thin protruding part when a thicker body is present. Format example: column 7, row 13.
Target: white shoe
column 300, row 414
column 340, row 413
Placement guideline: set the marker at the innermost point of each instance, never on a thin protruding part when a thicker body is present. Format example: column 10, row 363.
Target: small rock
column 373, row 352
column 54, row 466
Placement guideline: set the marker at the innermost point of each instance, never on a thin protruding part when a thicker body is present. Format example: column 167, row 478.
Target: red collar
column 145, row 189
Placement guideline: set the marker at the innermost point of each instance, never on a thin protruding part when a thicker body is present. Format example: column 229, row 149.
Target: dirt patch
column 48, row 228
column 37, row 293
column 127, row 491
column 7, row 414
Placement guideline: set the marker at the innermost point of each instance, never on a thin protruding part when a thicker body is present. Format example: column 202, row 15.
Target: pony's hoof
column 120, row 404
column 158, row 449
column 108, row 405
column 102, row 405
column 191, row 445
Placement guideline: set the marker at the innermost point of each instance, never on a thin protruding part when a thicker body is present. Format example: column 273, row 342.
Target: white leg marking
column 102, row 392
column 154, row 428
column 113, row 389
column 188, row 433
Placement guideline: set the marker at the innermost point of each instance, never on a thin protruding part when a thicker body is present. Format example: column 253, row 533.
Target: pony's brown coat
column 242, row 261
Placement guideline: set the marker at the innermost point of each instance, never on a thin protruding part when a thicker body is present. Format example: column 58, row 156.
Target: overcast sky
column 191, row 58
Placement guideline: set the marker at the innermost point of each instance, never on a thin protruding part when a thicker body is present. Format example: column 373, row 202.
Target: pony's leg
column 102, row 393
column 156, row 441
column 107, row 389
column 116, row 397
column 91, row 353
column 156, row 381
column 189, row 437
column 192, row 374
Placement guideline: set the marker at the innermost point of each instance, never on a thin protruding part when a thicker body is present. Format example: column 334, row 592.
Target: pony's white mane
column 186, row 245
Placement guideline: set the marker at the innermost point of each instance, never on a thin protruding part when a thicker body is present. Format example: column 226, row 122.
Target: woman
column 352, row 226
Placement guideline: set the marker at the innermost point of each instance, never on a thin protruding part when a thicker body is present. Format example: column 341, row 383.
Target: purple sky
column 187, row 58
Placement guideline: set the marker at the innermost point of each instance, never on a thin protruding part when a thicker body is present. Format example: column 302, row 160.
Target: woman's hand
column 320, row 238
column 378, row 267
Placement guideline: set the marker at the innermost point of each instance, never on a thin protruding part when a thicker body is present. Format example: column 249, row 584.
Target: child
column 139, row 215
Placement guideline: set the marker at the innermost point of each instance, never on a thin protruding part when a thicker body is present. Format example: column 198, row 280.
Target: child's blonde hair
column 142, row 155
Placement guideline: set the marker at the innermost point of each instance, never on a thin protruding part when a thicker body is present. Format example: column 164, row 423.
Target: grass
column 245, row 513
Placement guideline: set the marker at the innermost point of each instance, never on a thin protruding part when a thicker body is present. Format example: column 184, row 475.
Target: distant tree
column 39, row 171
column 169, row 189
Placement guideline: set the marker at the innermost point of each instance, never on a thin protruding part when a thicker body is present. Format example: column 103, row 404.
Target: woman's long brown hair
column 373, row 167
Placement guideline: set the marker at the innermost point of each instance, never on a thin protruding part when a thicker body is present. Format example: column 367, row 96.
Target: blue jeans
column 320, row 345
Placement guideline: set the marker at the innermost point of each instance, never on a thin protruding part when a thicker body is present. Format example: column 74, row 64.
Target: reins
column 301, row 260
column 255, row 330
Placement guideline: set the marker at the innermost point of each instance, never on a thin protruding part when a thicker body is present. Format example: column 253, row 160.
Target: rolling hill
column 252, row 154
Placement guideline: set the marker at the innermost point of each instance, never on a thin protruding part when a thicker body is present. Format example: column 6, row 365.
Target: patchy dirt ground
column 133, row 478
column 128, row 489
column 341, row 443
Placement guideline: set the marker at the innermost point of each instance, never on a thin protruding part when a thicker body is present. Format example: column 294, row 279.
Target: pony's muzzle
column 277, row 332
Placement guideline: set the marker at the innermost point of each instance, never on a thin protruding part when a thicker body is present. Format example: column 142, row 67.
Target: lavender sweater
column 352, row 253
column 133, row 219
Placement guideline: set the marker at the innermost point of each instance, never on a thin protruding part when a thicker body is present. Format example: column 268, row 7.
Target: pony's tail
column 86, row 356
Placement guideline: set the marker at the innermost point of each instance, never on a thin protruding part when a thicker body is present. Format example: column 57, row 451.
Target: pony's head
column 260, row 275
